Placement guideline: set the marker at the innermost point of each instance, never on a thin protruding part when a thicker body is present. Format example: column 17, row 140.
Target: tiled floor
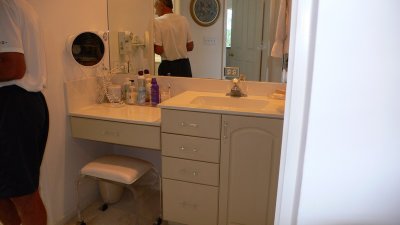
column 144, row 210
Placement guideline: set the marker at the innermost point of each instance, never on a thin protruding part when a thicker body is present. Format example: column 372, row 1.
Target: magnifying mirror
column 87, row 48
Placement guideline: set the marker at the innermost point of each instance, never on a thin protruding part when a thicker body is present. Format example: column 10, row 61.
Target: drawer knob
column 188, row 205
column 195, row 173
column 182, row 148
column 194, row 125
column 111, row 133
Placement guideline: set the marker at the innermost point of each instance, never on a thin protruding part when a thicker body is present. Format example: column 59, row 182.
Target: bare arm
column 190, row 46
column 158, row 49
column 12, row 66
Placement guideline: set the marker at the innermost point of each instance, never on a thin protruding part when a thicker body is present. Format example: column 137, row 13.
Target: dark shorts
column 179, row 68
column 24, row 125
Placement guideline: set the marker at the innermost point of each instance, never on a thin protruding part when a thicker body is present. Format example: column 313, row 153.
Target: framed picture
column 205, row 12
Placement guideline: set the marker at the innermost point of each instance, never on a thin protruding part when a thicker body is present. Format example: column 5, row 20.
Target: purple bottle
column 155, row 92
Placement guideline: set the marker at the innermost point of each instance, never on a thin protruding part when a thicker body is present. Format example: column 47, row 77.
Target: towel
column 282, row 35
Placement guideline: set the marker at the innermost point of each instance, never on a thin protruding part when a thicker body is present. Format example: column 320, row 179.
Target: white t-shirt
column 20, row 32
column 172, row 32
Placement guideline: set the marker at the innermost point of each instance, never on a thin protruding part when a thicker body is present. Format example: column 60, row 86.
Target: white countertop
column 145, row 115
column 274, row 108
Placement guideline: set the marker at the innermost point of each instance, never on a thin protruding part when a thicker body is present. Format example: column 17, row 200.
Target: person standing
column 24, row 120
column 172, row 40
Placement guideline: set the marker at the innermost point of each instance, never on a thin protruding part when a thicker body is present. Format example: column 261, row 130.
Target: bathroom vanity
column 220, row 158
column 129, row 125
column 220, row 154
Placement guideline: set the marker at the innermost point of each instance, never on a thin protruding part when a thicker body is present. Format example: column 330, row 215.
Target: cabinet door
column 250, row 155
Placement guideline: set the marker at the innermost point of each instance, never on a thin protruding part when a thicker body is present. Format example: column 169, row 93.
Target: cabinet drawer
column 191, row 123
column 116, row 132
column 202, row 149
column 189, row 203
column 192, row 171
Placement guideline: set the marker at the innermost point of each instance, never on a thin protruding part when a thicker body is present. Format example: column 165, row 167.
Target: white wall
column 64, row 155
column 132, row 15
column 352, row 147
column 206, row 60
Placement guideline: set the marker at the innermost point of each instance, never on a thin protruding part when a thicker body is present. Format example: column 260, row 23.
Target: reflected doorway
column 249, row 34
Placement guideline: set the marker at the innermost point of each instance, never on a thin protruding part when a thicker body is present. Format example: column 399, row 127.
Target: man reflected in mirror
column 172, row 40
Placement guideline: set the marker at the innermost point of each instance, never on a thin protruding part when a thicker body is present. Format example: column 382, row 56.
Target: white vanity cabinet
column 190, row 147
column 116, row 132
column 249, row 169
column 219, row 169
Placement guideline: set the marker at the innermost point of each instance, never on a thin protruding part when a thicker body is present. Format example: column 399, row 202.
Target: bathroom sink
column 229, row 102
column 214, row 102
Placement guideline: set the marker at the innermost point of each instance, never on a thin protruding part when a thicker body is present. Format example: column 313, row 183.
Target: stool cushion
column 122, row 169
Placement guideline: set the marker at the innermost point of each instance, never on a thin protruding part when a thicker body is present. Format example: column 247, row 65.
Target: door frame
column 300, row 76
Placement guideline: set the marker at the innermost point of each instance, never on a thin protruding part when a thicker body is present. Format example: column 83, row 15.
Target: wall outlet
column 231, row 72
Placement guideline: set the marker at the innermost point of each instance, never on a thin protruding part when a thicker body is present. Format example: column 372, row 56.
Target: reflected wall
column 133, row 16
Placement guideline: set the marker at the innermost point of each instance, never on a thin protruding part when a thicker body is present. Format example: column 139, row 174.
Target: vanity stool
column 113, row 173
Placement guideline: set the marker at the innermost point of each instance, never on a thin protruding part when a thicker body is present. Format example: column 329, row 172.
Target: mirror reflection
column 172, row 40
column 242, row 36
column 87, row 49
column 130, row 24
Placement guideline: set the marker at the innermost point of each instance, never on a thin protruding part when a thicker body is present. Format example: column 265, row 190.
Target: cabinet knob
column 182, row 148
column 195, row 173
column 188, row 205
column 111, row 133
column 194, row 125
column 195, row 150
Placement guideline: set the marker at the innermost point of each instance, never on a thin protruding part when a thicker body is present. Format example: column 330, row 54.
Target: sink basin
column 217, row 102
column 229, row 102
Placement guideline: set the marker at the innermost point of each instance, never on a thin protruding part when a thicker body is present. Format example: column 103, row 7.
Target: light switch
column 209, row 41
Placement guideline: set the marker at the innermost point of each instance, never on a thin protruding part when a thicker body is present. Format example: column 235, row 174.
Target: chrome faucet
column 236, row 91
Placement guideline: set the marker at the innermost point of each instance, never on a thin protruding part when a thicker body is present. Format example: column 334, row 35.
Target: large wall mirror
column 242, row 36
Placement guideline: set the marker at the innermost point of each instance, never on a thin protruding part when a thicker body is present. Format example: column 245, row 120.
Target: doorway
column 249, row 34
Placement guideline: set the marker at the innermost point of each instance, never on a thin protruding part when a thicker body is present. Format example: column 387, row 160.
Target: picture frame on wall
column 205, row 12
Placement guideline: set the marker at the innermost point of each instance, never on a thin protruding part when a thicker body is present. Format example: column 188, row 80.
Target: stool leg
column 159, row 219
column 78, row 208
column 134, row 197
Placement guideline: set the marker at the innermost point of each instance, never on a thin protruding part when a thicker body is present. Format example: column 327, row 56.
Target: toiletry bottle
column 141, row 91
column 155, row 92
column 148, row 89
column 131, row 97
column 125, row 88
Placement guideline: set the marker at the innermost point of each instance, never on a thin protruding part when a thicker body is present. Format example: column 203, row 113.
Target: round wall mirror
column 87, row 49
